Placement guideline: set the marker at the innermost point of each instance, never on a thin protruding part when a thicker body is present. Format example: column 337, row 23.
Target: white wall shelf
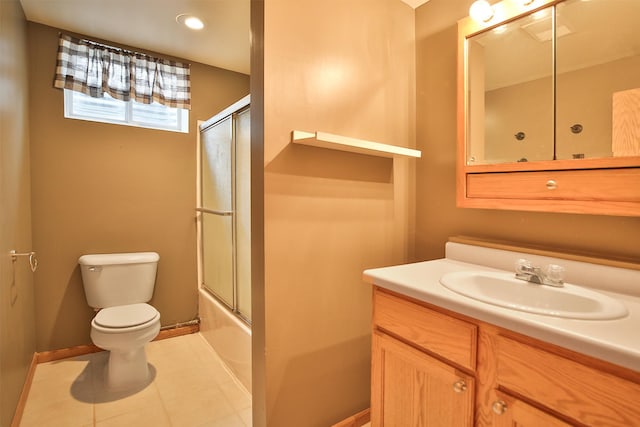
column 343, row 143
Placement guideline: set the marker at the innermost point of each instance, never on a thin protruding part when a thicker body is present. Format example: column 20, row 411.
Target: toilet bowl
column 124, row 331
column 119, row 287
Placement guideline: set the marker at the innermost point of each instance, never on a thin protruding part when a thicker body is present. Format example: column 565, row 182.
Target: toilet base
column 127, row 366
column 126, row 369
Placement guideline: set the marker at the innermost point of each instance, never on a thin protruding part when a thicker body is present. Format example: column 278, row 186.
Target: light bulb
column 194, row 23
column 190, row 21
column 481, row 11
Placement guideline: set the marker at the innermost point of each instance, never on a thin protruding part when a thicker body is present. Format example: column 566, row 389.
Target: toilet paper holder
column 33, row 261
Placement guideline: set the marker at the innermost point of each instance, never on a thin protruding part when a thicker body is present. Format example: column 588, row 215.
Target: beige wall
column 533, row 117
column 345, row 68
column 17, row 329
column 108, row 188
column 583, row 96
column 436, row 213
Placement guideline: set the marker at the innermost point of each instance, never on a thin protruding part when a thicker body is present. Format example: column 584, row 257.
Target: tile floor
column 190, row 388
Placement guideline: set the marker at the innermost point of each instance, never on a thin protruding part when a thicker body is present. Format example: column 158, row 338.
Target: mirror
column 559, row 83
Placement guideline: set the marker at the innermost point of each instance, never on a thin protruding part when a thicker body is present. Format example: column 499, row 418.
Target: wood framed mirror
column 549, row 107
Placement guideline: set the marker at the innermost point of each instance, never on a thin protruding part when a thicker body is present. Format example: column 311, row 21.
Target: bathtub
column 228, row 335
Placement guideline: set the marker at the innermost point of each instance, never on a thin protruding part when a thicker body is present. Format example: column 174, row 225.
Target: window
column 112, row 85
column 131, row 113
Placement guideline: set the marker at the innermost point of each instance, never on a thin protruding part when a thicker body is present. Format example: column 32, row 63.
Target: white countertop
column 616, row 341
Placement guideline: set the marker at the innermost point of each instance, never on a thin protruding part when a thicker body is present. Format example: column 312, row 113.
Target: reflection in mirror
column 598, row 78
column 510, row 84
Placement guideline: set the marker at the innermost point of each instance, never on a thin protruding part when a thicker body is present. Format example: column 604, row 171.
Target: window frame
column 182, row 125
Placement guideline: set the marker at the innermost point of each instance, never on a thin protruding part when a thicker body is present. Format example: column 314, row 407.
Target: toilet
column 119, row 287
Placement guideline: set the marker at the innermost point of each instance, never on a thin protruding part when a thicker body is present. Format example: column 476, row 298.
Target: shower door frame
column 230, row 112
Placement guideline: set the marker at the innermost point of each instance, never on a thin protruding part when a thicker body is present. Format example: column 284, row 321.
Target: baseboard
column 177, row 331
column 357, row 420
column 22, row 401
column 64, row 353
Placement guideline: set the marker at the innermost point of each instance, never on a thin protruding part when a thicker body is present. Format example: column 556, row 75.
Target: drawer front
column 585, row 394
column 602, row 184
column 437, row 333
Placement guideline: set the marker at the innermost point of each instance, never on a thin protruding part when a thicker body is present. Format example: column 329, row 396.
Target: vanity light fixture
column 481, row 11
column 190, row 21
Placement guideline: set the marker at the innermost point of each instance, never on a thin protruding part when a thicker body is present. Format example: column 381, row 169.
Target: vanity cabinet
column 562, row 385
column 422, row 366
column 431, row 367
column 417, row 389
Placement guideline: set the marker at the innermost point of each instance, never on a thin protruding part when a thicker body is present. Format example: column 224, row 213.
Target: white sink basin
column 504, row 290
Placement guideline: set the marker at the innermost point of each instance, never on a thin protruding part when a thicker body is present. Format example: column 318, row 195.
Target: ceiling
column 151, row 25
column 415, row 3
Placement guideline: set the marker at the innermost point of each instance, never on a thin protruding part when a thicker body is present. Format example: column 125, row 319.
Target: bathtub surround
column 228, row 336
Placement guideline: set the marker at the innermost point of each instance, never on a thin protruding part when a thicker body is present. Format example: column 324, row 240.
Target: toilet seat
column 130, row 316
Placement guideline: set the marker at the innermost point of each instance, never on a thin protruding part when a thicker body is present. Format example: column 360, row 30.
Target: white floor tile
column 190, row 387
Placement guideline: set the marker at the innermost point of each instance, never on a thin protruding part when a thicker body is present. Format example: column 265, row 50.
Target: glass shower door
column 225, row 210
column 217, row 199
column 243, row 212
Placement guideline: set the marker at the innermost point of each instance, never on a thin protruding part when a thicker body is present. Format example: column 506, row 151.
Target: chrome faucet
column 552, row 277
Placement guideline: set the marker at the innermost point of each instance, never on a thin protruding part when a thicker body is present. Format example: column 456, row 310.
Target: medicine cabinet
column 549, row 107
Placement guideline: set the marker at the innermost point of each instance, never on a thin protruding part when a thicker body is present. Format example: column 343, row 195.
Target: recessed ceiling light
column 190, row 21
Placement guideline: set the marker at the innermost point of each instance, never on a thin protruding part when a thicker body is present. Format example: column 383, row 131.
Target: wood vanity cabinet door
column 509, row 411
column 411, row 388
column 575, row 390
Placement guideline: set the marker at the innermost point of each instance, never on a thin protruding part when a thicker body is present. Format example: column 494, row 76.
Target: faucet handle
column 555, row 274
column 522, row 266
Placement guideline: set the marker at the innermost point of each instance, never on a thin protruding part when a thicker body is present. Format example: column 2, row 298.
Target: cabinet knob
column 459, row 386
column 499, row 407
column 552, row 184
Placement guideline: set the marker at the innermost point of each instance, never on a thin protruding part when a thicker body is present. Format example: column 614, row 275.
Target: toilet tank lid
column 120, row 258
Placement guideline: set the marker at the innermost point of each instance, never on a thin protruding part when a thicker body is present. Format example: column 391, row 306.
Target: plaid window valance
column 95, row 69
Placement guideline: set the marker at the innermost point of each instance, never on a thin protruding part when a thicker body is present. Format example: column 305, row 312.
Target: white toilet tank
column 118, row 279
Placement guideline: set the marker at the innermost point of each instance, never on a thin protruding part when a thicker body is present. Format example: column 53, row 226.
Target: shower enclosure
column 224, row 237
column 224, row 208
